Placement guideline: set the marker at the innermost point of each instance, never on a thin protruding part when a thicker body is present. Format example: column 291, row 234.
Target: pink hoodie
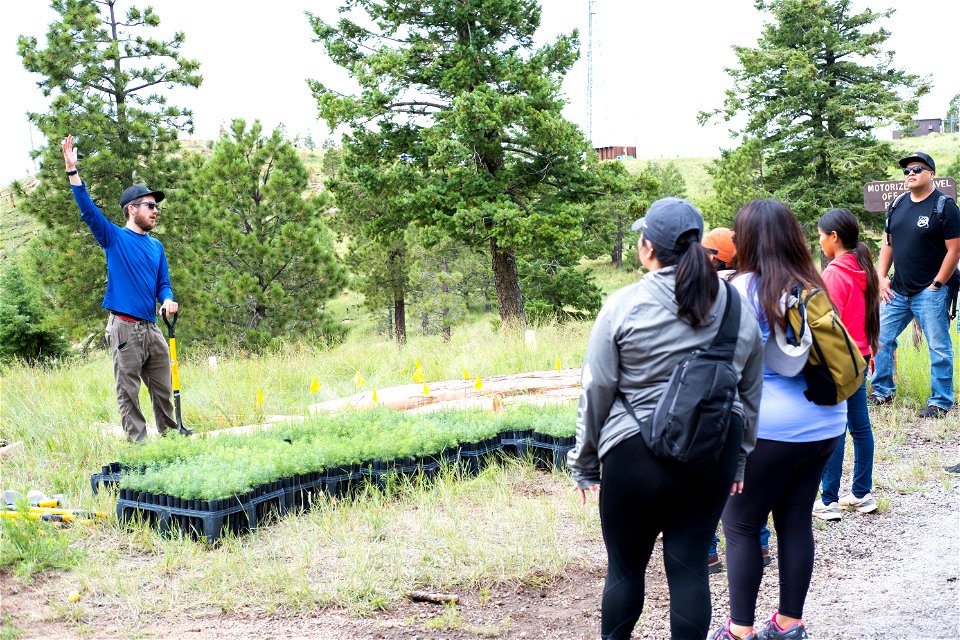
column 847, row 285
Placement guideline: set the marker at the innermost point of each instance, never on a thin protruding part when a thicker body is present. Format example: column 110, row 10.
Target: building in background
column 924, row 128
column 616, row 153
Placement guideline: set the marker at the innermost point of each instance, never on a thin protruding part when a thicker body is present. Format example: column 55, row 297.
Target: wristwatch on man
column 937, row 284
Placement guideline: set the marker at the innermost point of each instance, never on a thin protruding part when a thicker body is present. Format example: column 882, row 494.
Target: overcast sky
column 656, row 64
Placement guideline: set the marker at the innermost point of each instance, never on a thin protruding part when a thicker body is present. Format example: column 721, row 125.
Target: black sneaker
column 769, row 631
column 877, row 400
column 714, row 565
column 954, row 470
column 933, row 411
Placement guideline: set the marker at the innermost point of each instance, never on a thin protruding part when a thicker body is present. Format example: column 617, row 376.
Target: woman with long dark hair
column 640, row 335
column 795, row 437
column 854, row 288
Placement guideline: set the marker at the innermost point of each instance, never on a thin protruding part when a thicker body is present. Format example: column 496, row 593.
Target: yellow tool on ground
column 46, row 517
column 79, row 513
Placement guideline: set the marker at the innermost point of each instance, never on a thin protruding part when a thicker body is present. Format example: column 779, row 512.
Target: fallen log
column 411, row 396
column 435, row 598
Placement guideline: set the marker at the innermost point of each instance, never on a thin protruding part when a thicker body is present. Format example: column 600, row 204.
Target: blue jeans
column 858, row 423
column 930, row 309
column 764, row 539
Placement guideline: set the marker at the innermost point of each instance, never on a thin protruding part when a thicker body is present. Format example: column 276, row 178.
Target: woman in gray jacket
column 641, row 333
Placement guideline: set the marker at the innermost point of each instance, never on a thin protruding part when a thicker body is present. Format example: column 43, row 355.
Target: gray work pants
column 140, row 352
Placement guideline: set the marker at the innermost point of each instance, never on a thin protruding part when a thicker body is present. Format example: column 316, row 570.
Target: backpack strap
column 938, row 210
column 725, row 342
column 886, row 222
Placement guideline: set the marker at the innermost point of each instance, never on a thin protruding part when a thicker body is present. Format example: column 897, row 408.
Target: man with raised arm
column 137, row 278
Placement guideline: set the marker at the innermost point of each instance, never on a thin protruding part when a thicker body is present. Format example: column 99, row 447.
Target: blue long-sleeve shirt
column 137, row 272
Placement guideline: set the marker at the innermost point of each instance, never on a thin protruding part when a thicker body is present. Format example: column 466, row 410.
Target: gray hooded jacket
column 635, row 343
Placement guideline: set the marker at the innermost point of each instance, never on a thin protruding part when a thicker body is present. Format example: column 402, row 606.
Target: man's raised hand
column 69, row 154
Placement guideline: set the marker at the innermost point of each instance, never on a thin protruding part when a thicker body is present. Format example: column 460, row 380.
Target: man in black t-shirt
column 923, row 248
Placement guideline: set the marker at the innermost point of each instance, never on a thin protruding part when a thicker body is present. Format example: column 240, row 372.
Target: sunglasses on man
column 153, row 206
column 915, row 170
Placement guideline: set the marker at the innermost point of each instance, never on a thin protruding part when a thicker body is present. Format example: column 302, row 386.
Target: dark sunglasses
column 915, row 170
column 153, row 206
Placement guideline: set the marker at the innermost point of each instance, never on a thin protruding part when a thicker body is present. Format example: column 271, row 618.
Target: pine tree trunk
column 506, row 280
column 445, row 291
column 390, row 323
column 616, row 256
column 400, row 320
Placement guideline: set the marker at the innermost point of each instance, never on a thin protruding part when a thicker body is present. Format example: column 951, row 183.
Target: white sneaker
column 866, row 504
column 826, row 511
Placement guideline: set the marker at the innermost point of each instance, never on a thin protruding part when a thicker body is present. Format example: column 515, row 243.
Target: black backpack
column 953, row 283
column 692, row 417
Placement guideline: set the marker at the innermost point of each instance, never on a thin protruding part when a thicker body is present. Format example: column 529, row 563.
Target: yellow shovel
column 175, row 370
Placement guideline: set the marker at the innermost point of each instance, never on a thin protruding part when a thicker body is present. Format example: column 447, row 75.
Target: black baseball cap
column 919, row 156
column 138, row 191
column 667, row 219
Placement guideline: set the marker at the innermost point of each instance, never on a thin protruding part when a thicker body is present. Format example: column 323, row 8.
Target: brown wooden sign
column 877, row 196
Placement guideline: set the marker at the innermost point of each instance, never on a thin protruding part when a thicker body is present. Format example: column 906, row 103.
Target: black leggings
column 781, row 477
column 642, row 495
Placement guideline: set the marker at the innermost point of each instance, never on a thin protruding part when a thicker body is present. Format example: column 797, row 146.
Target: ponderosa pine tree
column 813, row 90
column 738, row 177
column 25, row 328
column 456, row 92
column 260, row 263
column 105, row 72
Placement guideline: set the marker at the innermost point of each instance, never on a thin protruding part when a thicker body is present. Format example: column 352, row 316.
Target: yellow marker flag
column 375, row 396
column 466, row 374
column 259, row 397
column 418, row 376
column 478, row 384
column 426, row 389
column 558, row 364
column 358, row 379
column 416, row 365
column 315, row 385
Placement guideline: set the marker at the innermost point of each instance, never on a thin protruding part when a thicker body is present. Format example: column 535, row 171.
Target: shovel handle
column 170, row 325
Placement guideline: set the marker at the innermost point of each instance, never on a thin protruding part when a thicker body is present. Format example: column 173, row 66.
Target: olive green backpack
column 834, row 368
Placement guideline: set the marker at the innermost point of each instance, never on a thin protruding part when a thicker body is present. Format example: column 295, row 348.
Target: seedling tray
column 210, row 520
column 109, row 477
column 235, row 515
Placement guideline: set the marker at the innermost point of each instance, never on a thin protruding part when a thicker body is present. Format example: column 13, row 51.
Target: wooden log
column 411, row 396
column 10, row 449
column 435, row 598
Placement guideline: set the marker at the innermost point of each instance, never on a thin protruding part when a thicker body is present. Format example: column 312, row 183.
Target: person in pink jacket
column 854, row 288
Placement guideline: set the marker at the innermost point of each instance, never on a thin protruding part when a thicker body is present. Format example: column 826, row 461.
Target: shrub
column 25, row 330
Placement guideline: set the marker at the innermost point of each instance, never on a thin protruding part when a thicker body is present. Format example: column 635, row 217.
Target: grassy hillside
column 944, row 149
column 693, row 170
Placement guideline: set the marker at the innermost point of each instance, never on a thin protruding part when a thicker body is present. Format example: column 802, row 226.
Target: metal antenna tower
column 590, row 10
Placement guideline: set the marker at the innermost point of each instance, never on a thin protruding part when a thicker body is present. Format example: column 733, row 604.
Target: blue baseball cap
column 667, row 220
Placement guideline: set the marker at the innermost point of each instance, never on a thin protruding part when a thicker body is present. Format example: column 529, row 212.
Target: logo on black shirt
column 923, row 222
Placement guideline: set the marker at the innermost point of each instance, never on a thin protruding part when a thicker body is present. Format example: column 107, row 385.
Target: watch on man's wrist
column 72, row 173
column 937, row 284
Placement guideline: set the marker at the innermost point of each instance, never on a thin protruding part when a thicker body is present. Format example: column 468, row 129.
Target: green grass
column 16, row 228
column 362, row 554
column 61, row 413
column 31, row 546
column 944, row 149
